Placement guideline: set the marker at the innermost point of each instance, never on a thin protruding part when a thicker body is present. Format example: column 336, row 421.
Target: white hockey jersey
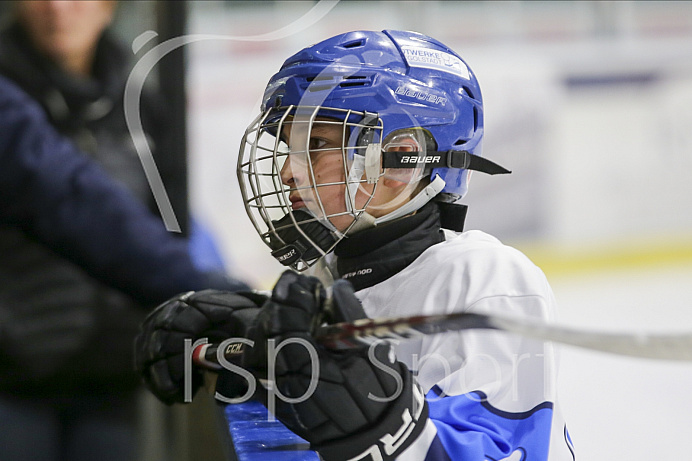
column 491, row 394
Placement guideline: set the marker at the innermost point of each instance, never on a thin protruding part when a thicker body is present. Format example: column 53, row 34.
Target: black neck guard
column 374, row 255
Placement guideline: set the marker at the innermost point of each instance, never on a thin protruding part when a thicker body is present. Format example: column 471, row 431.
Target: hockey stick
column 366, row 331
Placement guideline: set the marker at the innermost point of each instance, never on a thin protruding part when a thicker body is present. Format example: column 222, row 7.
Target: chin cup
column 299, row 236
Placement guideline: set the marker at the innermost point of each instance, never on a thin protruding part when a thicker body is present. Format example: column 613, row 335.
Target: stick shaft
column 366, row 331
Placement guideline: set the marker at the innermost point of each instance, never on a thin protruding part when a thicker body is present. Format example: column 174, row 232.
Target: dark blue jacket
column 62, row 198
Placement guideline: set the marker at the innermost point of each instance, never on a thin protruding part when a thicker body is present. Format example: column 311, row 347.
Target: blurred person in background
column 60, row 197
column 80, row 403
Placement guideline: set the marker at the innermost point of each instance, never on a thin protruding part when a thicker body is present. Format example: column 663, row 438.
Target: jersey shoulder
column 480, row 252
column 485, row 267
column 468, row 269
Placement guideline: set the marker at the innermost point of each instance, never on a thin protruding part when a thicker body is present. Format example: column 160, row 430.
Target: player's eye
column 317, row 143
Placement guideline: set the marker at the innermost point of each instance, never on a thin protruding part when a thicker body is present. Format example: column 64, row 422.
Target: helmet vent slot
column 354, row 43
column 355, row 80
column 319, row 78
column 318, row 83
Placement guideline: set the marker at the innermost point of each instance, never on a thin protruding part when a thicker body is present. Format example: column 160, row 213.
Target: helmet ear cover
column 411, row 141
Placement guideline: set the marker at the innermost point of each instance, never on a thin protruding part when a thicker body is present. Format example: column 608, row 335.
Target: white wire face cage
column 300, row 169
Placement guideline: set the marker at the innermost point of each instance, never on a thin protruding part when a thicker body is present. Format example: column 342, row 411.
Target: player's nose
column 291, row 172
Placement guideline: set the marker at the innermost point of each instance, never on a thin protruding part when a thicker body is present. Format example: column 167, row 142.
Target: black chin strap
column 438, row 159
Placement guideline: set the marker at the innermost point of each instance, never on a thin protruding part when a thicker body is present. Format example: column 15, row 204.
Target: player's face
column 317, row 178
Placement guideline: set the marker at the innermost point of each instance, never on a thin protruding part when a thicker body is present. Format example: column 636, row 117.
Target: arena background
column 590, row 105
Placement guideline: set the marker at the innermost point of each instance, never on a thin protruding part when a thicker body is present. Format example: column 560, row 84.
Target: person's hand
column 345, row 403
column 160, row 345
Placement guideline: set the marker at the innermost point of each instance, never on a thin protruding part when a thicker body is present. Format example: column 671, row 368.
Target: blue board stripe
column 256, row 438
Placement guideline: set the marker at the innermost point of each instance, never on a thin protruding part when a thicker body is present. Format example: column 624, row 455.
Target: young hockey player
column 354, row 170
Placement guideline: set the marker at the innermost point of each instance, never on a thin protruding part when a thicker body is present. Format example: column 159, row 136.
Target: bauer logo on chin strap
column 441, row 159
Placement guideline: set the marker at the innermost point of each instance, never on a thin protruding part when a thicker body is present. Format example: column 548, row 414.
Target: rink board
column 256, row 438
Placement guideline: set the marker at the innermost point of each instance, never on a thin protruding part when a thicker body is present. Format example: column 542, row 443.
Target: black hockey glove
column 359, row 401
column 160, row 345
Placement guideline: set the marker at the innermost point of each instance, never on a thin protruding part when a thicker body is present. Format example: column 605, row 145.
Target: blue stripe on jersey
column 469, row 427
column 570, row 445
column 437, row 451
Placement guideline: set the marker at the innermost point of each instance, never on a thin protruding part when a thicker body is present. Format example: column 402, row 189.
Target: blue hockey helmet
column 377, row 84
column 408, row 79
